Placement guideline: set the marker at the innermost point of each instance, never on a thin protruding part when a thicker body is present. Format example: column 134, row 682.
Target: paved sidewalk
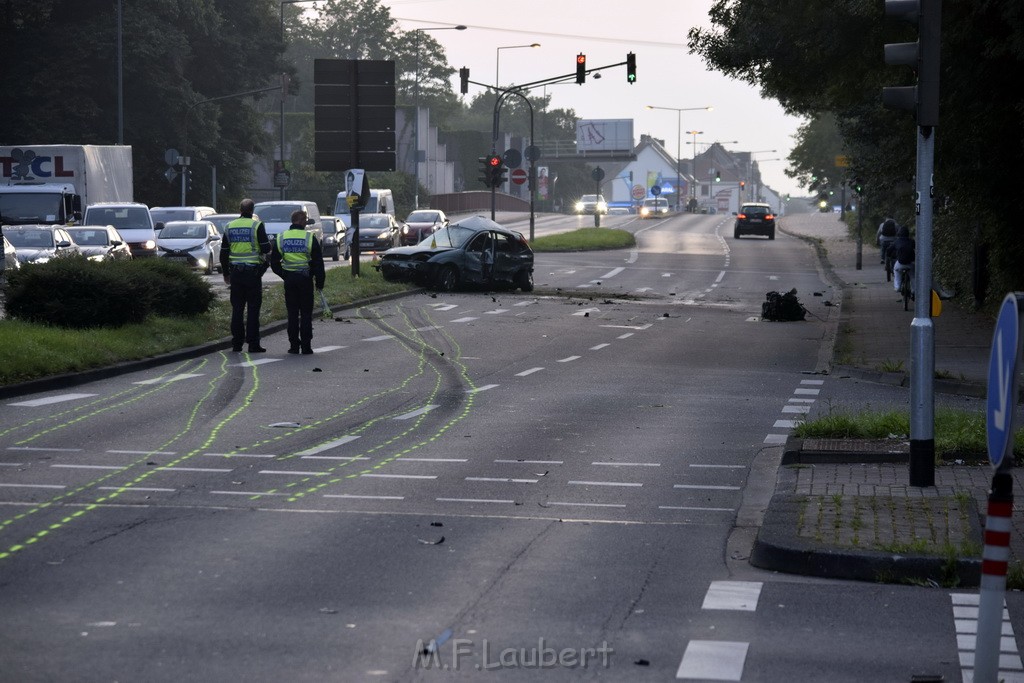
column 845, row 508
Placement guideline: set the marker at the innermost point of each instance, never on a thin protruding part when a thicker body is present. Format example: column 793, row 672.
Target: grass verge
column 585, row 239
column 30, row 351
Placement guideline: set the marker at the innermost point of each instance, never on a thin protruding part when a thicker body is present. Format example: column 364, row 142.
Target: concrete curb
column 778, row 548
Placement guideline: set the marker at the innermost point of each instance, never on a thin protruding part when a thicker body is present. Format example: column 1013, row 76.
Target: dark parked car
column 754, row 219
column 194, row 243
column 378, row 232
column 421, row 223
column 473, row 251
column 100, row 242
column 334, row 238
column 40, row 243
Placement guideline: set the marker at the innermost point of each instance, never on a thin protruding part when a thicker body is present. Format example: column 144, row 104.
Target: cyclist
column 885, row 236
column 901, row 251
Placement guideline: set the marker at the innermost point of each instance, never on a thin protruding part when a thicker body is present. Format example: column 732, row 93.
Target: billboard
column 604, row 135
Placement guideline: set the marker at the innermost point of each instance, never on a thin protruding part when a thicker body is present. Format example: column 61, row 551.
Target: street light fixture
column 679, row 135
column 416, row 108
column 497, row 58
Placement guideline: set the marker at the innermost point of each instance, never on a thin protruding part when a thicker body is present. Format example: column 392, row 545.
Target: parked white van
column 381, row 201
column 277, row 216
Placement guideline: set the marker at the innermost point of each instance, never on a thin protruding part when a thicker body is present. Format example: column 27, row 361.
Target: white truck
column 51, row 184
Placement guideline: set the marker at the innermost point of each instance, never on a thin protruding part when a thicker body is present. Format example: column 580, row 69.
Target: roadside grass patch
column 585, row 239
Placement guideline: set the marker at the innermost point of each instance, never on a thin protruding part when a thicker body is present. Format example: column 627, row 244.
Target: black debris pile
column 782, row 307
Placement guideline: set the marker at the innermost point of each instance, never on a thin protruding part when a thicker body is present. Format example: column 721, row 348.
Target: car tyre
column 524, row 280
column 447, row 279
column 209, row 264
column 771, row 235
column 735, row 233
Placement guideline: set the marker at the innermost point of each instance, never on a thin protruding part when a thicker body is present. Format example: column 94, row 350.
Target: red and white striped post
column 994, row 561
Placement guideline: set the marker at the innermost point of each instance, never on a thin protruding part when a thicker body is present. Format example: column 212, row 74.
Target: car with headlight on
column 131, row 220
column 193, row 243
column 421, row 223
column 654, row 208
column 100, row 242
column 474, row 251
column 40, row 243
column 378, row 232
column 591, row 203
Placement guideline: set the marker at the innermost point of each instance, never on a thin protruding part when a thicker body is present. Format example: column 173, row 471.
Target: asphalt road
column 560, row 486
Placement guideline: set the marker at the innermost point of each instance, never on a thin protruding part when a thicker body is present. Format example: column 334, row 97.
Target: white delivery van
column 381, row 201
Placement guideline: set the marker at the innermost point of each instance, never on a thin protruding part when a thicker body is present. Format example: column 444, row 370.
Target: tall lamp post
column 497, row 59
column 750, row 170
column 416, row 108
column 679, row 135
column 693, row 190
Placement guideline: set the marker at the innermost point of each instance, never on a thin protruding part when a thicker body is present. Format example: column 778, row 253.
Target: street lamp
column 750, row 170
column 416, row 109
column 693, row 190
column 679, row 135
column 497, row 58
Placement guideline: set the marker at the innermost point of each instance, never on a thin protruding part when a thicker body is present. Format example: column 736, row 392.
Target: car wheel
column 771, row 235
column 524, row 280
column 735, row 233
column 447, row 279
column 209, row 264
column 335, row 257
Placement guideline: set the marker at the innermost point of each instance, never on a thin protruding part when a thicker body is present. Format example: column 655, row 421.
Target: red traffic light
column 581, row 59
column 494, row 161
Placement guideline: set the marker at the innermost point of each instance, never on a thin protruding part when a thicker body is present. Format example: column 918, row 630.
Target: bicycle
column 907, row 287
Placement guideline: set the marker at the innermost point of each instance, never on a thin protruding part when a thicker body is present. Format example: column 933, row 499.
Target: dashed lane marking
column 254, row 363
column 568, row 359
column 733, row 595
column 587, row 505
column 297, row 473
column 351, row 495
column 432, row 459
column 496, row 311
column 532, row 462
column 802, row 410
column 786, row 424
column 400, row 476
column 524, row 373
column 44, row 450
column 691, row 508
column 605, row 483
column 49, row 400
column 599, row 347
column 807, row 392
column 325, row 349
column 721, row 467
column 503, row 480
column 628, row 464
column 239, row 455
column 143, row 489
column 334, row 457
column 812, row 382
column 466, row 319
column 33, row 486
column 328, row 445
column 70, row 466
column 381, row 337
column 247, row 493
column 625, row 336
column 143, row 452
column 706, row 487
column 415, row 413
column 475, row 500
column 214, row 470
column 171, row 378
column 776, row 439
column 717, row 660
column 476, row 390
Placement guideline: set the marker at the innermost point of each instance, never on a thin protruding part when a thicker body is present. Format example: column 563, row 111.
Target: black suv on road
column 754, row 219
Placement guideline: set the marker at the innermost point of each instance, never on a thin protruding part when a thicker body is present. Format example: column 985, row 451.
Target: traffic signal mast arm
column 545, row 81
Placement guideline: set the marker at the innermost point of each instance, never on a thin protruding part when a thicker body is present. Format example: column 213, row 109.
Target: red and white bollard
column 994, row 561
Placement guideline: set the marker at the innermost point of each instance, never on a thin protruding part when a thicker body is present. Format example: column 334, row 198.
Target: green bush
column 80, row 294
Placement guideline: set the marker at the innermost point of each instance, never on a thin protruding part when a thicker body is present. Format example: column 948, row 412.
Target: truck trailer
column 51, row 184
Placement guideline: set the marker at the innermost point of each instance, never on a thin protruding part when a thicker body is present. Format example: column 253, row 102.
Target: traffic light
column 188, row 176
column 581, row 68
column 495, row 170
column 630, row 68
column 485, row 171
column 923, row 55
column 743, row 184
column 718, row 177
column 464, row 78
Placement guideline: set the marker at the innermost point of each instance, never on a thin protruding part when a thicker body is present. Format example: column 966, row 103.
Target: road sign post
column 1003, row 387
column 598, row 175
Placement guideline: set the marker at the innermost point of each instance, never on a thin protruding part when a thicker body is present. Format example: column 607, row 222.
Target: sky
column 667, row 75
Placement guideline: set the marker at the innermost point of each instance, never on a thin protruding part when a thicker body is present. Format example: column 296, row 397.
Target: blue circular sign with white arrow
column 1002, row 379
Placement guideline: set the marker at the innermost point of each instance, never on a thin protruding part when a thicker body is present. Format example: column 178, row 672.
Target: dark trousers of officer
column 246, row 299
column 298, row 297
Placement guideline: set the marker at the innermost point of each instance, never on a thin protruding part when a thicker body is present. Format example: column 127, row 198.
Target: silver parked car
column 100, row 242
column 41, row 243
column 194, row 243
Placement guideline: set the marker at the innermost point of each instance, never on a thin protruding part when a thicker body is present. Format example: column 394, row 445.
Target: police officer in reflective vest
column 298, row 259
column 243, row 261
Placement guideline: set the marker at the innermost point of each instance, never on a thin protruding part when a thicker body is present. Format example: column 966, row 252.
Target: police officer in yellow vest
column 243, row 261
column 298, row 259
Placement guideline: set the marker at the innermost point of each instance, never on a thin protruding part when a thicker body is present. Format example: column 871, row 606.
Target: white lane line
column 474, row 500
column 415, row 413
column 532, row 462
column 496, row 311
column 786, row 424
column 150, row 489
column 800, row 410
column 965, row 617
column 479, row 389
column 625, row 336
column 587, row 505
column 466, row 319
column 297, row 473
column 334, row 457
column 524, row 373
column 403, row 459
column 812, row 382
column 666, row 274
column 11, row 464
column 599, row 347
column 627, row 327
column 247, row 493
column 720, row 276
column 143, row 452
column 33, row 486
column 400, row 476
column 350, row 495
column 776, row 438
column 807, row 392
column 239, row 455
column 644, row 289
column 426, row 328
column 90, row 467
column 444, row 307
column 733, row 595
column 164, row 380
column 628, row 464
column 327, row 446
column 802, row 400
column 194, row 469
column 51, row 399
column 612, row 273
column 382, row 337
column 705, row 487
column 44, row 450
column 604, row 483
column 325, row 349
column 525, row 303
column 568, row 359
column 254, row 363
column 716, row 660
column 503, row 480
column 721, row 467
column 691, row 508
